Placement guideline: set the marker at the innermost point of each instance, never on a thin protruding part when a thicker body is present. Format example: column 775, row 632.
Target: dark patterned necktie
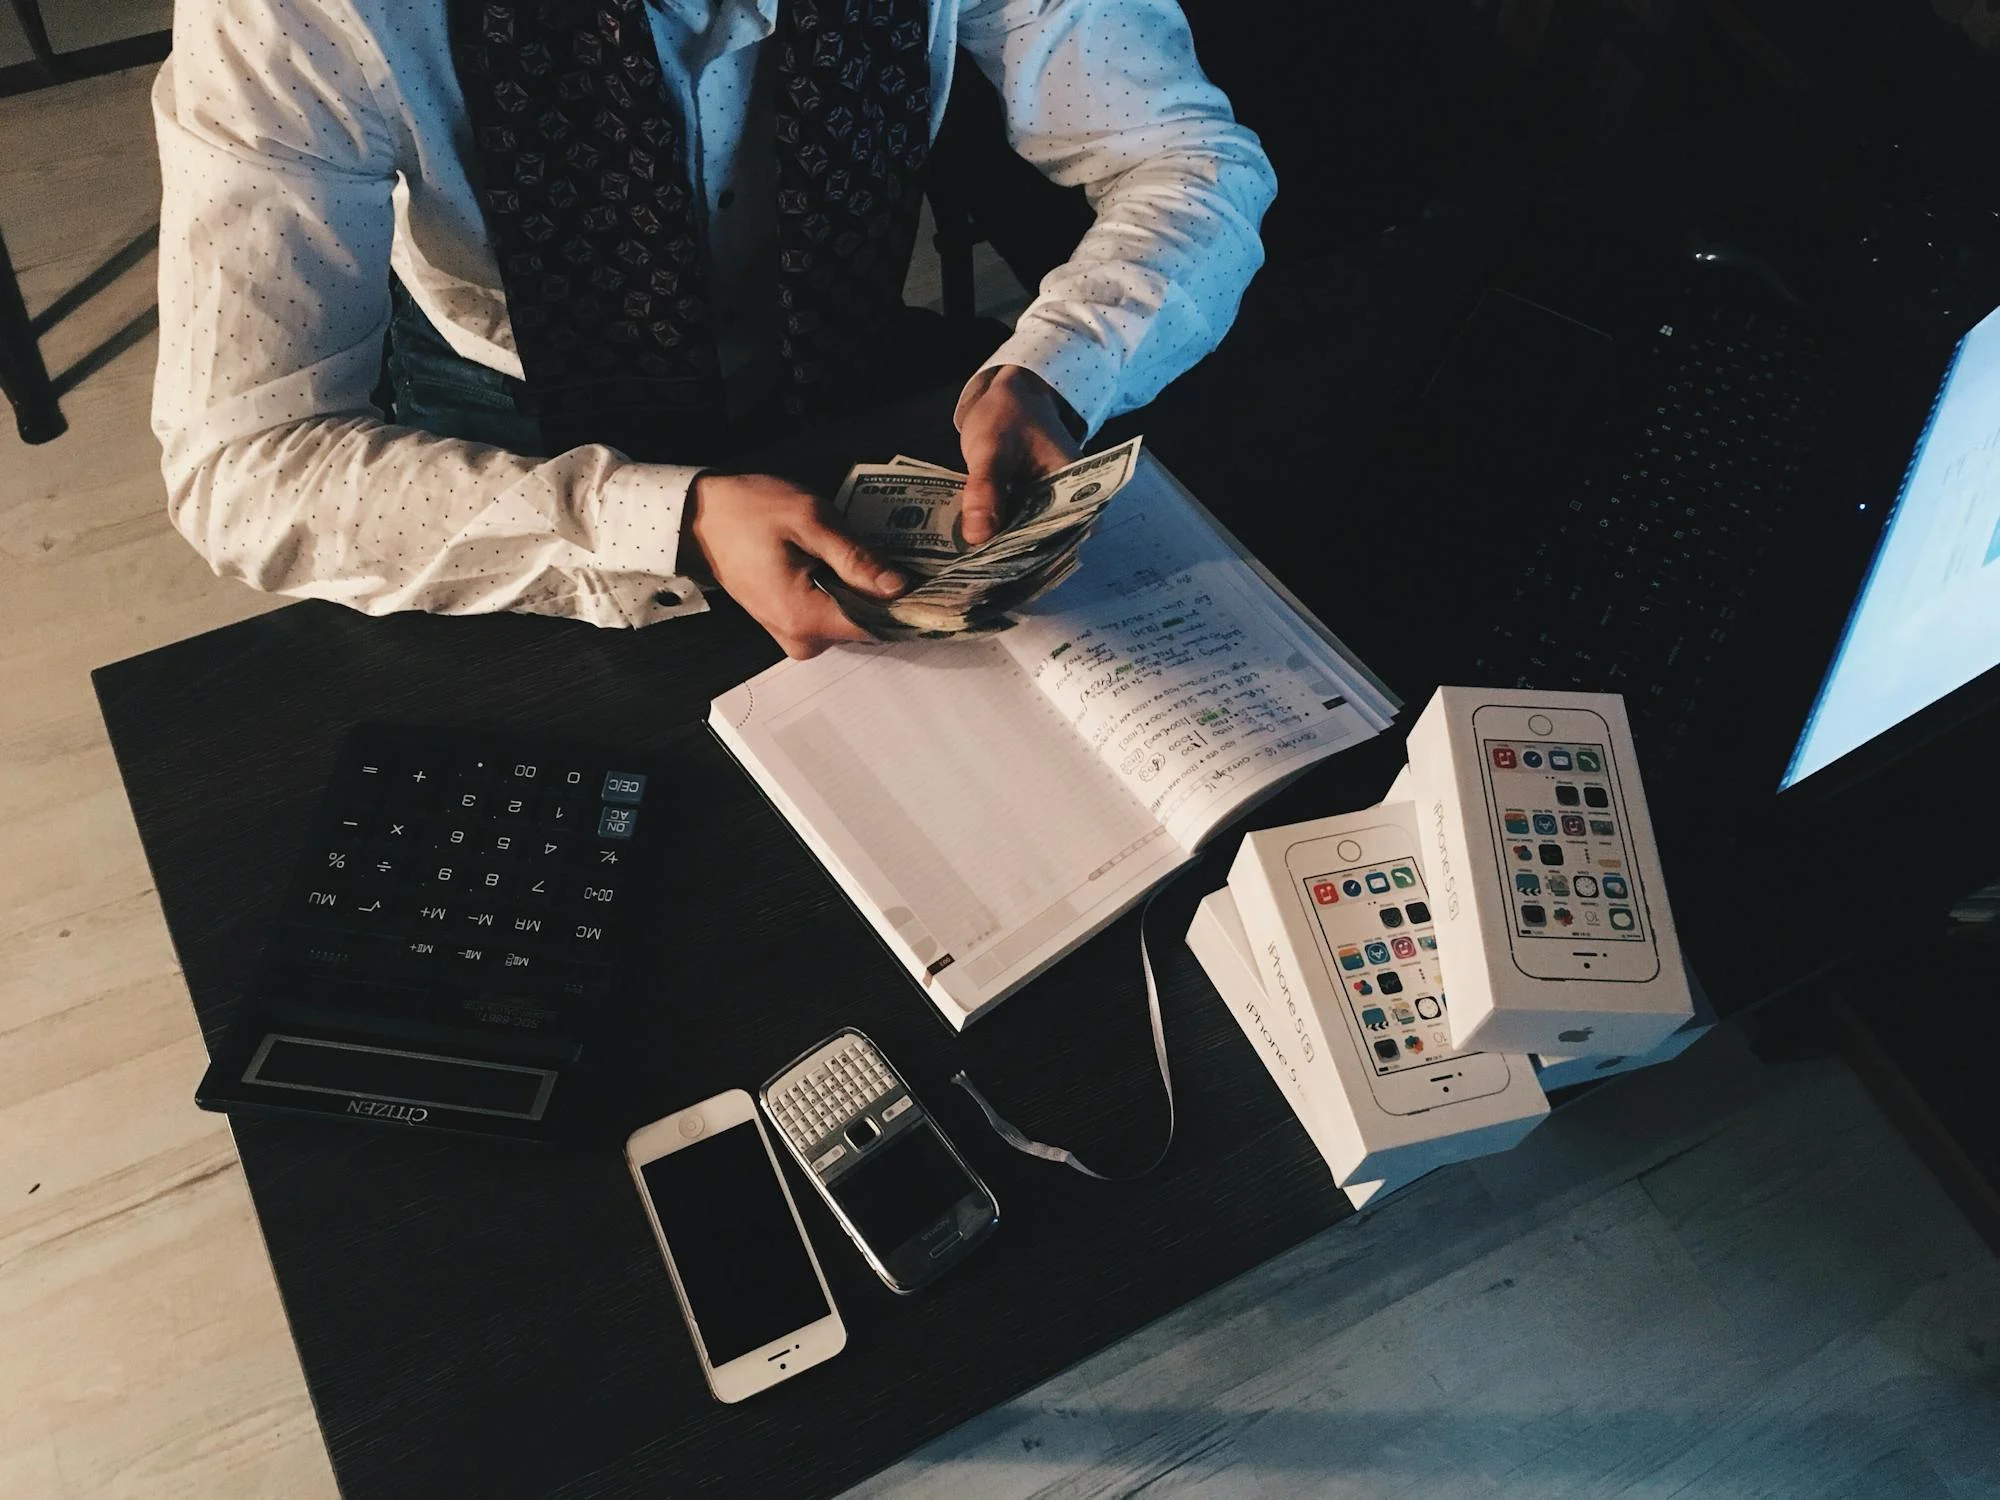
column 584, row 184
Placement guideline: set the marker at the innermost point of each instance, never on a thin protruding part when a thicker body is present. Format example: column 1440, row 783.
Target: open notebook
column 991, row 803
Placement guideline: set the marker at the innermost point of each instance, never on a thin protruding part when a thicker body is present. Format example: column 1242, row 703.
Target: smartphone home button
column 1541, row 724
column 692, row 1125
column 1347, row 849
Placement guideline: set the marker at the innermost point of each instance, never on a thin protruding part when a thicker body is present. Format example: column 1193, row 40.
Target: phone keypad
column 831, row 1095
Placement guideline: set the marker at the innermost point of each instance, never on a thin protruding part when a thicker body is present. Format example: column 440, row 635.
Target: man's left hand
column 1013, row 433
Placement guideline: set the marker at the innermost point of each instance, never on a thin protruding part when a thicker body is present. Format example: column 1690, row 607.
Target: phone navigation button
column 692, row 1125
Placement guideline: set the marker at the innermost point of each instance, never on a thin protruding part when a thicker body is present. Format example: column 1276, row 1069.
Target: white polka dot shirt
column 310, row 146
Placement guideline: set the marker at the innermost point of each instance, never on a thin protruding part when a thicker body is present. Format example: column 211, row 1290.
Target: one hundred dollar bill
column 911, row 514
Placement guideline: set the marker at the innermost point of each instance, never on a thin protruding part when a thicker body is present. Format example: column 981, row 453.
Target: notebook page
column 951, row 802
column 1182, row 669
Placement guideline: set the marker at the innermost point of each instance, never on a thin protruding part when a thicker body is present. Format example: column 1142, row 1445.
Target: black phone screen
column 902, row 1188
column 742, row 1264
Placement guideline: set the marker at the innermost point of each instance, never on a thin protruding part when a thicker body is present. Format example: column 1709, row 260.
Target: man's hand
column 1013, row 433
column 761, row 537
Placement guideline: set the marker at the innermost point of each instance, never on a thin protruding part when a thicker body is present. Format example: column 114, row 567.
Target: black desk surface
column 484, row 1319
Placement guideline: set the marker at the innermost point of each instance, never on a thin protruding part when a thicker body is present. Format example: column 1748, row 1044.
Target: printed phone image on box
column 1568, row 864
column 1376, row 938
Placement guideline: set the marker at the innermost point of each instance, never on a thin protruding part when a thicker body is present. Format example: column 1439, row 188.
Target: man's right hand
column 761, row 537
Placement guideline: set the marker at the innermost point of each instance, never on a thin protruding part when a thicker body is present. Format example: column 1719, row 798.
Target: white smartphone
column 1371, row 912
column 1555, row 793
column 748, row 1283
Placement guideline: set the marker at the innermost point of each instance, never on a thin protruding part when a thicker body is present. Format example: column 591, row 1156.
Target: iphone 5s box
column 1348, row 1009
column 1217, row 940
column 1551, row 910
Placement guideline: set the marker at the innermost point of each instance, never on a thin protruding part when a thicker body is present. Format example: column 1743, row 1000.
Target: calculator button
column 590, row 936
column 371, row 780
column 514, row 809
column 571, row 781
column 596, row 895
column 624, row 788
column 525, row 773
column 617, row 822
column 600, row 858
column 421, row 952
column 540, row 846
column 480, row 917
column 321, row 899
column 397, row 831
column 466, row 802
column 369, row 907
column 897, row 1108
column 527, row 926
column 471, row 956
column 490, row 881
column 563, row 815
column 460, row 838
column 427, row 911
column 445, row 875
column 535, row 889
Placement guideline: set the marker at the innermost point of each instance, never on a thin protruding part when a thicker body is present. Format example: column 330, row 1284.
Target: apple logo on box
column 1580, row 1034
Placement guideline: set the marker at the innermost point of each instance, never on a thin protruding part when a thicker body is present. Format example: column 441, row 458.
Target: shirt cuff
column 1076, row 366
column 638, row 536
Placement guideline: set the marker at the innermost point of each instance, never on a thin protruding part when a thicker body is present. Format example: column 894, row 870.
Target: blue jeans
column 436, row 388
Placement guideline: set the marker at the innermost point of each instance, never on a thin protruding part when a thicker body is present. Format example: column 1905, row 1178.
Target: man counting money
column 611, row 242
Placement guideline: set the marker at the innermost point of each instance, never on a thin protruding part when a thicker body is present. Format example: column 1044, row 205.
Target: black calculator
column 466, row 915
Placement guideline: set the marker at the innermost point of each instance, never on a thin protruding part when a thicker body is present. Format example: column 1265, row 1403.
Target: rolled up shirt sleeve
column 276, row 226
column 1107, row 95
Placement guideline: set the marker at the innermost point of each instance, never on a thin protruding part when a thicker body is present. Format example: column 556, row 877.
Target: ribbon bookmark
column 1062, row 1154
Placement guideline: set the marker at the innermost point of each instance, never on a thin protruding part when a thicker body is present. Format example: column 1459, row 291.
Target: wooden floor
column 1722, row 1279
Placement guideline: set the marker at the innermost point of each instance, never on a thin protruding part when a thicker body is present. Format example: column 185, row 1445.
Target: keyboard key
column 617, row 822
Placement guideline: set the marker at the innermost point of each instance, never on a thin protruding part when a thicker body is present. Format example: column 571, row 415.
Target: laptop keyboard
column 457, row 882
column 1638, row 585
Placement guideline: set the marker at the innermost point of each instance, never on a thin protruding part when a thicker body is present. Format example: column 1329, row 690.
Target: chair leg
column 954, row 240
column 29, row 14
column 24, row 378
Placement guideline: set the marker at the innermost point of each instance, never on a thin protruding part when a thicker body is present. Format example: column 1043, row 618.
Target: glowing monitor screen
column 1927, row 620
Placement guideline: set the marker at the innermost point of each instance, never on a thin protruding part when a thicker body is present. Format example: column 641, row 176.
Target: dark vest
column 581, row 163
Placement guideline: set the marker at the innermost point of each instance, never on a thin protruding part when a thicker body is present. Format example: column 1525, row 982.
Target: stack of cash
column 908, row 512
